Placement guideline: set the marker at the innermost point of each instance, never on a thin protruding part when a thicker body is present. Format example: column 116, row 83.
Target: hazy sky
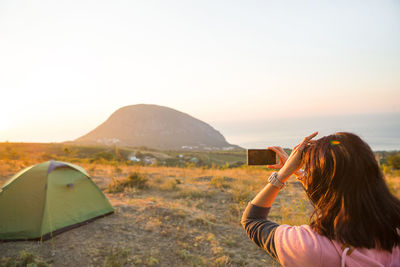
column 65, row 66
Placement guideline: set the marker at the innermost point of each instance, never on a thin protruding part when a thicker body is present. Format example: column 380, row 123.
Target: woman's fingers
column 311, row 136
column 307, row 139
column 273, row 148
column 280, row 152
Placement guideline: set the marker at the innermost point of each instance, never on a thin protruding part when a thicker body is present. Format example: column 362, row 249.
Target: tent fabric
column 55, row 164
column 48, row 198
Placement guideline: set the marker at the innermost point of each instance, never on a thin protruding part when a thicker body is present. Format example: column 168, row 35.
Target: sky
column 66, row 66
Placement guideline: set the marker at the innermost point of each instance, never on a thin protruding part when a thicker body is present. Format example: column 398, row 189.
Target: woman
column 356, row 220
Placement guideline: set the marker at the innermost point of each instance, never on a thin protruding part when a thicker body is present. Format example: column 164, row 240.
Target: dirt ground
column 181, row 219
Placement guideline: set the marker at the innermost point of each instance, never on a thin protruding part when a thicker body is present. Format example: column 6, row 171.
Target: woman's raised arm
column 267, row 195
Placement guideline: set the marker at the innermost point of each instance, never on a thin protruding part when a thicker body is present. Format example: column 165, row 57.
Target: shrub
column 394, row 161
column 137, row 180
column 134, row 180
column 220, row 182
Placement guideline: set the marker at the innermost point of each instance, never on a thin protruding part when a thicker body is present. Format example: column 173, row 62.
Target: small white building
column 134, row 159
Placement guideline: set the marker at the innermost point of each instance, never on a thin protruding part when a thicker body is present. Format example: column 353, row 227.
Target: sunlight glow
column 4, row 123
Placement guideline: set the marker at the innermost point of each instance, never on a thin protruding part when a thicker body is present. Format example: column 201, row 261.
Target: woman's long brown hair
column 352, row 203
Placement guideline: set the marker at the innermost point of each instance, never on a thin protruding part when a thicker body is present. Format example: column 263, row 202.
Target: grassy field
column 165, row 216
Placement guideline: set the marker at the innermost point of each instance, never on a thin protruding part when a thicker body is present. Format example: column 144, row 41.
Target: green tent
column 49, row 198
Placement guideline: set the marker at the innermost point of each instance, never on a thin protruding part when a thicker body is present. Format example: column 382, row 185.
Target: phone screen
column 260, row 157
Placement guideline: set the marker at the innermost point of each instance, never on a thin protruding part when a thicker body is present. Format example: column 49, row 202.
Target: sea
column 380, row 131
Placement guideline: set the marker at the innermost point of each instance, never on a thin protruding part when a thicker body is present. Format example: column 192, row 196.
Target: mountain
column 156, row 127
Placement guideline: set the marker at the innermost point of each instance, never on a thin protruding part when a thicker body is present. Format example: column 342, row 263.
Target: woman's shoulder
column 301, row 245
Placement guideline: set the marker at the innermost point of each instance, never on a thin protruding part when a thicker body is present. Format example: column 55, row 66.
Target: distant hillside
column 156, row 127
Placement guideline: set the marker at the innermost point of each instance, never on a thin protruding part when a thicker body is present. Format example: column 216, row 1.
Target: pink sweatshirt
column 301, row 246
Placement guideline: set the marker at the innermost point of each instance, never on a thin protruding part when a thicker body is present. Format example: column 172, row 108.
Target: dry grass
column 180, row 217
column 23, row 259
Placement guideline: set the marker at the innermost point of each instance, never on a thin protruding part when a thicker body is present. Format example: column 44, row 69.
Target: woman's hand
column 281, row 155
column 291, row 164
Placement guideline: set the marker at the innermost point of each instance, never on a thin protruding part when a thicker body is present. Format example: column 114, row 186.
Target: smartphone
column 261, row 157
